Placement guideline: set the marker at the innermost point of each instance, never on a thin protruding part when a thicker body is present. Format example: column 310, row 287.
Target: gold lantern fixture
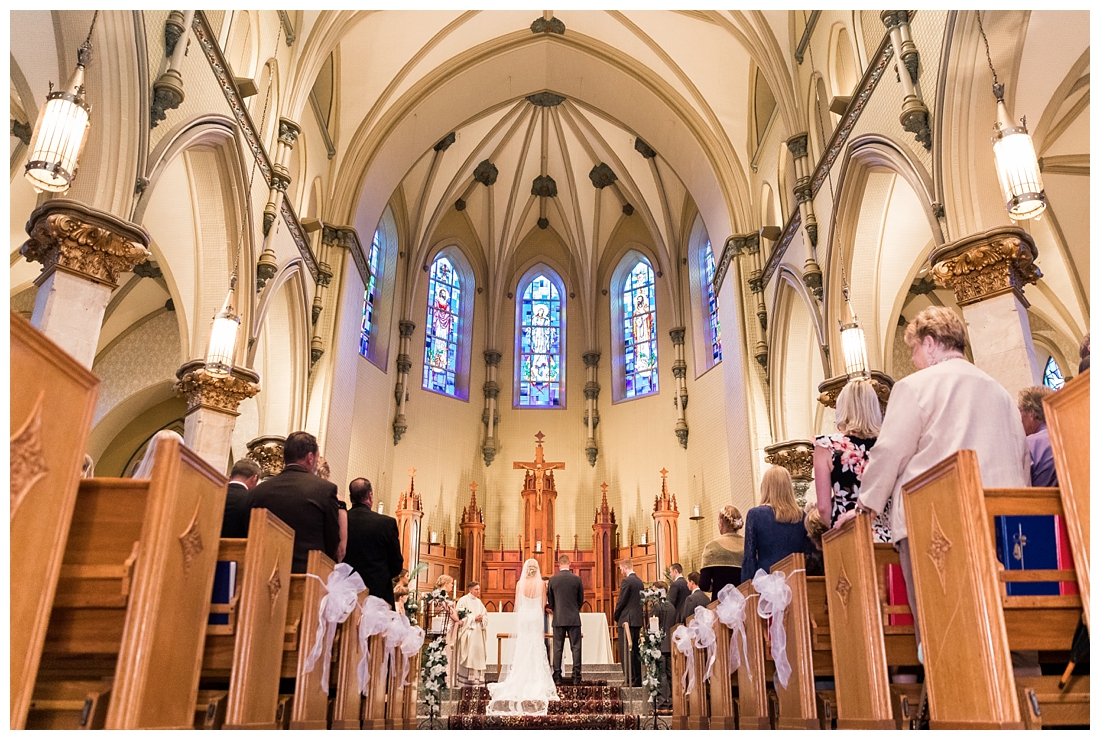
column 61, row 129
column 853, row 342
column 223, row 335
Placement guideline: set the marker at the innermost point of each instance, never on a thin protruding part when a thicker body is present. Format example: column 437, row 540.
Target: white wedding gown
column 528, row 687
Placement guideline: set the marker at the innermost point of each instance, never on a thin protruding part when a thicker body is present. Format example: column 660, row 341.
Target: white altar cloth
column 595, row 646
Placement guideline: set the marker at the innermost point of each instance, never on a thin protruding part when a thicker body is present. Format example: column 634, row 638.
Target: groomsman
column 564, row 595
column 698, row 597
column 629, row 611
column 678, row 591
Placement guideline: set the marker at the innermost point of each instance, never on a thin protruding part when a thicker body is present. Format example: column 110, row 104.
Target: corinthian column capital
column 984, row 265
column 224, row 394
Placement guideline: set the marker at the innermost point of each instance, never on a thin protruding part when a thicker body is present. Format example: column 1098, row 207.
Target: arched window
column 1052, row 375
column 442, row 328
column 639, row 327
column 370, row 295
column 541, row 340
column 714, row 327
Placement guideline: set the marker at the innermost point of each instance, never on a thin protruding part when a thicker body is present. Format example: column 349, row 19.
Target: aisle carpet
column 584, row 707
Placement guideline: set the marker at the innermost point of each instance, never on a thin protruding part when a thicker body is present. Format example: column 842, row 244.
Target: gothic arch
column 796, row 358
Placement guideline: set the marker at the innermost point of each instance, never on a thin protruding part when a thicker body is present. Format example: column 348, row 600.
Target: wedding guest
column 324, row 472
column 722, row 556
column 145, row 467
column 470, row 650
column 243, row 477
column 697, row 597
column 666, row 621
column 815, row 559
column 678, row 590
column 774, row 529
column 1034, row 419
column 374, row 546
column 401, row 590
column 1086, row 350
column 628, row 611
column 441, row 605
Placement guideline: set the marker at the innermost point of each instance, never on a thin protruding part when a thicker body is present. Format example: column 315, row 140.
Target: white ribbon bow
column 341, row 597
column 731, row 612
column 394, row 634
column 705, row 639
column 410, row 645
column 376, row 617
column 775, row 596
column 681, row 638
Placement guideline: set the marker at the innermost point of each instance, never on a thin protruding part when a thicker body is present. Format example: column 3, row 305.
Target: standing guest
column 1086, row 350
column 628, row 611
column 697, row 597
column 946, row 406
column 815, row 559
column 145, row 467
column 442, row 606
column 666, row 620
column 774, row 529
column 722, row 556
column 401, row 590
column 307, row 504
column 470, row 650
column 1034, row 419
column 839, row 459
column 242, row 478
column 564, row 596
column 374, row 547
column 324, row 472
column 678, row 591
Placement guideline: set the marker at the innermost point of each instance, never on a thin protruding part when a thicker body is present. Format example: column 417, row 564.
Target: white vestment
column 470, row 649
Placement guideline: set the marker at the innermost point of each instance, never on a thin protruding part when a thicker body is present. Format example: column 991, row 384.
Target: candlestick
column 654, row 625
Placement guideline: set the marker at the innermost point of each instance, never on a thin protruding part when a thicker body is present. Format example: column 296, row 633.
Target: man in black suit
column 304, row 501
column 564, row 596
column 698, row 597
column 242, row 478
column 374, row 547
column 629, row 611
column 678, row 591
column 666, row 620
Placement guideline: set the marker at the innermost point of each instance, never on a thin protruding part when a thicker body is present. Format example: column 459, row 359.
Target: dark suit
column 629, row 610
column 564, row 595
column 677, row 594
column 308, row 505
column 666, row 618
column 237, row 513
column 374, row 550
column 698, row 597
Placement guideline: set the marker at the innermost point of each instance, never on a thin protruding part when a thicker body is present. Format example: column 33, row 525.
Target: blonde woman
column 722, row 556
column 774, row 529
column 839, row 458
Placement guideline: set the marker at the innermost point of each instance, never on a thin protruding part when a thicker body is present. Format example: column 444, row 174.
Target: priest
column 470, row 649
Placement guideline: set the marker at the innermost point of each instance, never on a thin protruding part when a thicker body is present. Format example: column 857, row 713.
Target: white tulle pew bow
column 681, row 639
column 410, row 645
column 341, row 597
column 376, row 618
column 705, row 639
column 775, row 596
column 731, row 612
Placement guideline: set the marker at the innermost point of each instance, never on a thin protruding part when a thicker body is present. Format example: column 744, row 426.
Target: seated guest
column 307, row 504
column 1030, row 403
column 242, row 478
column 324, row 472
column 774, row 529
column 722, row 556
column 815, row 560
column 374, row 547
column 145, row 467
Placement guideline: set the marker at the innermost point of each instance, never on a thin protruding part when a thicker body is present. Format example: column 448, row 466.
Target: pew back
column 752, row 684
column 797, row 701
column 723, row 714
column 310, row 710
column 346, row 713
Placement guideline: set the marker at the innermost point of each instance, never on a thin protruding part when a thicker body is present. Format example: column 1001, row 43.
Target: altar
column 595, row 646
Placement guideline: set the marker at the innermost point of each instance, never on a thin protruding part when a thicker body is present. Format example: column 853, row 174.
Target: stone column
column 212, row 404
column 280, row 173
column 82, row 251
column 804, row 195
column 267, row 452
column 168, row 89
column 988, row 272
column 665, row 514
column 914, row 114
column 591, row 414
column 489, row 417
column 404, row 364
column 679, row 371
column 473, row 538
column 797, row 457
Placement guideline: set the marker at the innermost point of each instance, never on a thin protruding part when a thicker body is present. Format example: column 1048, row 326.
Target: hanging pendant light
column 1014, row 155
column 223, row 335
column 853, row 342
column 61, row 130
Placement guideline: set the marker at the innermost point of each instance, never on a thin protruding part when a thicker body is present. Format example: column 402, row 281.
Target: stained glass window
column 369, row 297
column 1052, row 375
column 540, row 344
column 640, row 331
column 441, row 328
column 712, row 305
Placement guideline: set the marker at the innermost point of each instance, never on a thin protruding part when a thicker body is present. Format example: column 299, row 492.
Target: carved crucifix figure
column 540, row 468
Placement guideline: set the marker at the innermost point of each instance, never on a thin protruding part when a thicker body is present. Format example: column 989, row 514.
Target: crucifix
column 539, row 468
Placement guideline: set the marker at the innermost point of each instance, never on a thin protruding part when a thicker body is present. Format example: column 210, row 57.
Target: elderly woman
column 774, row 529
column 839, row 459
column 722, row 556
column 946, row 406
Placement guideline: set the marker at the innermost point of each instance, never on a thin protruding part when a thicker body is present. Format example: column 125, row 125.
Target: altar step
column 610, row 673
column 584, row 707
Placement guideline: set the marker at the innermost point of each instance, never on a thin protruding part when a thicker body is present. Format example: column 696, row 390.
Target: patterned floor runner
column 584, row 707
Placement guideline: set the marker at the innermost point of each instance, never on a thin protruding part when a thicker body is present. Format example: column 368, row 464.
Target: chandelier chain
column 985, row 41
column 95, row 17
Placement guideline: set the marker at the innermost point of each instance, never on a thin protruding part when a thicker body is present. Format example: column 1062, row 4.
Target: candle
column 500, row 606
column 645, row 538
column 454, row 591
column 435, row 535
column 538, row 546
column 654, row 625
column 437, row 624
column 696, row 511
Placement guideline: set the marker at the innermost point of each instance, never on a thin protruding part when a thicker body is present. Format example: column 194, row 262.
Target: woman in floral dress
column 839, row 459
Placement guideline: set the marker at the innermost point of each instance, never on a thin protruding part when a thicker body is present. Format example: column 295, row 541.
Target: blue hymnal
column 225, row 584
column 1028, row 543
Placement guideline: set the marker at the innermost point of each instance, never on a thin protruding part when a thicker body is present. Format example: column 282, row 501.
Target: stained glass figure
column 441, row 328
column 640, row 331
column 1052, row 375
column 540, row 344
column 369, row 297
column 712, row 305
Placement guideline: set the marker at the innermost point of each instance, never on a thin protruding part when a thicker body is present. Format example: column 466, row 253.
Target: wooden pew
column 401, row 700
column 1067, row 415
column 679, row 698
column 968, row 624
column 864, row 645
column 797, row 702
column 698, row 708
column 752, row 692
column 310, row 709
column 133, row 596
column 723, row 711
column 52, row 401
column 248, row 651
column 374, row 702
column 346, row 708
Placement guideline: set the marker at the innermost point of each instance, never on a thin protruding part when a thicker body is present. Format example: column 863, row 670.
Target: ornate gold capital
column 220, row 394
column 796, row 455
column 984, row 265
column 268, row 454
column 67, row 234
column 830, row 389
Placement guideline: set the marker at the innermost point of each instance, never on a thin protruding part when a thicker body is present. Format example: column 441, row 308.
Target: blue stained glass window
column 1052, row 375
column 640, row 331
column 369, row 298
column 441, row 328
column 540, row 344
column 712, row 305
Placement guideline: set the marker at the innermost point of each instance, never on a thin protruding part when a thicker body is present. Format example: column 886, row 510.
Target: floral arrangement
column 412, row 609
column 433, row 673
column 463, row 612
column 653, row 596
column 649, row 650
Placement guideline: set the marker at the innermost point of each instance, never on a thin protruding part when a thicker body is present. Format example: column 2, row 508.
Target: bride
column 528, row 688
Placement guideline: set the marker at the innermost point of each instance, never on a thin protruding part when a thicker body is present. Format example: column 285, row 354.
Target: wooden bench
column 1067, row 415
column 968, row 624
column 310, row 707
column 374, row 701
column 752, row 678
column 133, row 598
column 798, row 701
column 864, row 644
column 723, row 709
column 248, row 651
column 52, row 402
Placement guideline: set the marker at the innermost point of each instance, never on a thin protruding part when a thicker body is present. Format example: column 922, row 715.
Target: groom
column 564, row 597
